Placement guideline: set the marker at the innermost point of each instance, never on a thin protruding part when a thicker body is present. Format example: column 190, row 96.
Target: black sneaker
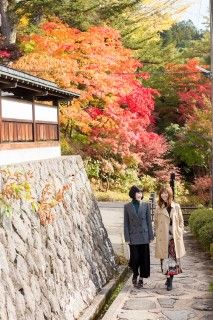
column 169, row 284
column 134, row 282
column 140, row 283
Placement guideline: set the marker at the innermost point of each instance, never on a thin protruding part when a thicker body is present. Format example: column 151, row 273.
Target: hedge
column 201, row 225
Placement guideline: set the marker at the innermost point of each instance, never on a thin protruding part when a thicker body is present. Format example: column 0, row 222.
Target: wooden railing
column 186, row 210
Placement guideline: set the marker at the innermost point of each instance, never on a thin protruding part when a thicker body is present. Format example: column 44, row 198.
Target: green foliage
column 29, row 47
column 5, row 208
column 92, row 168
column 171, row 132
column 181, row 34
column 199, row 49
column 205, row 234
column 115, row 196
column 198, row 218
column 181, row 192
column 193, row 148
column 111, row 196
column 191, row 200
column 201, row 225
column 106, row 174
column 149, row 184
column 190, row 145
column 126, row 179
column 14, row 186
column 66, row 148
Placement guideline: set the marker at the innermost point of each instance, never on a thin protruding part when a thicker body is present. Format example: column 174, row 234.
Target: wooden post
column 1, row 124
column 56, row 104
column 34, row 123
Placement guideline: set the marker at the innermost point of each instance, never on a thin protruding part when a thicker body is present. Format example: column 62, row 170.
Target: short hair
column 133, row 190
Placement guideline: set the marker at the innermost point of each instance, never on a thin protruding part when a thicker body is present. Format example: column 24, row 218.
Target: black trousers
column 140, row 260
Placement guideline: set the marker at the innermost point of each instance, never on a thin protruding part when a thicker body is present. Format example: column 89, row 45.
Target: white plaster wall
column 45, row 113
column 8, row 157
column 15, row 109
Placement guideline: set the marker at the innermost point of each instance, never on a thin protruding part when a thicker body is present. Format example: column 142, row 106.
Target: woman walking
column 138, row 234
column 169, row 227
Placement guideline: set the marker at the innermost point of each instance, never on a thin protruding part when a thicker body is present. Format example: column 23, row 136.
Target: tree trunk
column 8, row 28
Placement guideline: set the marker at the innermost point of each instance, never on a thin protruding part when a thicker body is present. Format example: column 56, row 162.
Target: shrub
column 149, row 184
column 181, row 192
column 111, row 196
column 115, row 196
column 65, row 146
column 205, row 235
column 199, row 218
column 201, row 225
column 125, row 179
column 201, row 188
column 92, row 168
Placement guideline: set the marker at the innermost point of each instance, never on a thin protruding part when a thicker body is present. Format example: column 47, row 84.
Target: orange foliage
column 114, row 109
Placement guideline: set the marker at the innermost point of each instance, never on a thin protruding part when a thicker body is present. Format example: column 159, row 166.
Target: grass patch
column 113, row 296
column 115, row 196
column 111, row 196
column 120, row 260
column 211, row 287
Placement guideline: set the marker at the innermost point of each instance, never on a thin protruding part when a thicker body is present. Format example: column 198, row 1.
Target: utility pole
column 211, row 36
column 209, row 74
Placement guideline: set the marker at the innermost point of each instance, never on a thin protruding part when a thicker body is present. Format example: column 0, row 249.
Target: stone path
column 112, row 215
column 189, row 298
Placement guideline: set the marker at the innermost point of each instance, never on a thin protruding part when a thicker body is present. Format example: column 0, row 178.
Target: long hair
column 170, row 194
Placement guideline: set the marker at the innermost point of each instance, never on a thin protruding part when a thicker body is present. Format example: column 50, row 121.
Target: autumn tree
column 131, row 17
column 192, row 145
column 190, row 134
column 114, row 115
column 192, row 88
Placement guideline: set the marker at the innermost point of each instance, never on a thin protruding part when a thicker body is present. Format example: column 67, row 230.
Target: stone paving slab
column 137, row 315
column 189, row 299
column 139, row 304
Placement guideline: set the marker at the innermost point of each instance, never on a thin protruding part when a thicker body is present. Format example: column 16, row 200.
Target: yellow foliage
column 151, row 18
column 23, row 22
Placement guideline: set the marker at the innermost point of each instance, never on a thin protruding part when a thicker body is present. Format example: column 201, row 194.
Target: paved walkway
column 112, row 215
column 189, row 298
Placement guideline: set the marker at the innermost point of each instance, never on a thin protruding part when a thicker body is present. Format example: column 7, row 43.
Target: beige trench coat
column 161, row 222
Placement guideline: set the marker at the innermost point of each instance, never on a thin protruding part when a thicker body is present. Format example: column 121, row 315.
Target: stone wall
column 54, row 271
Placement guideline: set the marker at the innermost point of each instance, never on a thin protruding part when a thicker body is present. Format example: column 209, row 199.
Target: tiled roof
column 26, row 78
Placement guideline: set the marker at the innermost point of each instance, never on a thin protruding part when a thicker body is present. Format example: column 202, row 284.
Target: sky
column 196, row 12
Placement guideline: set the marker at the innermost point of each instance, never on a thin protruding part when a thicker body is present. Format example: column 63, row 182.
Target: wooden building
column 29, row 127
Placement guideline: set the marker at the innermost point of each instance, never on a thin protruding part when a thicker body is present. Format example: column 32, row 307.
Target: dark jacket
column 137, row 226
